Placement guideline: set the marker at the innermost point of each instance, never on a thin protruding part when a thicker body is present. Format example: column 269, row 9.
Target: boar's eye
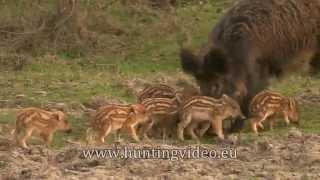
column 215, row 62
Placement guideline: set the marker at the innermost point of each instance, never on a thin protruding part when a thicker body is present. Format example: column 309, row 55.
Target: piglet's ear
column 58, row 115
column 224, row 96
column 189, row 61
column 227, row 99
column 137, row 108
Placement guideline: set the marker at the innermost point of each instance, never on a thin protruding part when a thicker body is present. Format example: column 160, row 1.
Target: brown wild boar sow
column 114, row 117
column 269, row 104
column 46, row 123
column 201, row 109
column 253, row 42
column 161, row 112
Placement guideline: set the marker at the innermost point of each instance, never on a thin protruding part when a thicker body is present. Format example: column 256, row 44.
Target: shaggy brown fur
column 254, row 40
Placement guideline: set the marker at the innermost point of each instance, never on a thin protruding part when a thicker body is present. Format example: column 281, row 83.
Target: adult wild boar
column 253, row 41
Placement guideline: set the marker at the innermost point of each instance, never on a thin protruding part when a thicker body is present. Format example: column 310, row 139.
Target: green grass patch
column 7, row 117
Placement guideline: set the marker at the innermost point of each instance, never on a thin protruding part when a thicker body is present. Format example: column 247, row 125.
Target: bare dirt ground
column 293, row 156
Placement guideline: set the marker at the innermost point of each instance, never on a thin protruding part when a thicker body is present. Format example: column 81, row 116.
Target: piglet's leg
column 146, row 128
column 260, row 125
column 104, row 134
column 49, row 138
column 183, row 124
column 204, row 129
column 190, row 130
column 254, row 122
column 117, row 136
column 266, row 115
column 89, row 135
column 217, row 125
column 271, row 123
column 164, row 134
column 132, row 131
column 25, row 136
column 286, row 118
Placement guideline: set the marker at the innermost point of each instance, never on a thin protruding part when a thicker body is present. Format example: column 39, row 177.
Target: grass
column 7, row 117
column 151, row 46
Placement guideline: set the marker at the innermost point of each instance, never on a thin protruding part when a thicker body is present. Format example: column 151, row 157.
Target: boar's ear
column 58, row 115
column 215, row 62
column 189, row 61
